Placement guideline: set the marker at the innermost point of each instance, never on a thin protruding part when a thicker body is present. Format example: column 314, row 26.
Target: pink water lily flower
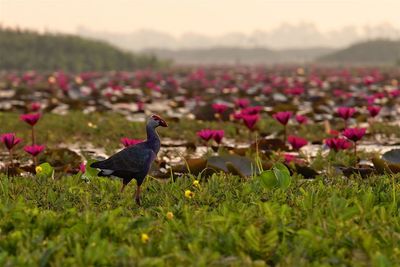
column 250, row 120
column 337, row 143
column 218, row 135
column 130, row 142
column 301, row 119
column 346, row 112
column 251, row 110
column 35, row 106
column 242, row 102
column 297, row 142
column 374, row 110
column 354, row 134
column 10, row 140
column 205, row 134
column 282, row 117
column 31, row 119
column 294, row 91
column 34, row 150
column 219, row 108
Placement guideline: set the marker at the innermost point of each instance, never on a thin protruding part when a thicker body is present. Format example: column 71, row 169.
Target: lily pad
column 392, row 156
column 238, row 165
column 270, row 144
column 306, row 171
column 380, row 165
column 194, row 166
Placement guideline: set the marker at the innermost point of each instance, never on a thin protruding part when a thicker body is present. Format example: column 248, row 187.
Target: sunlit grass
column 229, row 221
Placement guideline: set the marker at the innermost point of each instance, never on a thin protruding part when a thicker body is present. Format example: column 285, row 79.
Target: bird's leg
column 123, row 187
column 137, row 195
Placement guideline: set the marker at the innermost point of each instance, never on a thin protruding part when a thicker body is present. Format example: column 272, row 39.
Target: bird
column 134, row 162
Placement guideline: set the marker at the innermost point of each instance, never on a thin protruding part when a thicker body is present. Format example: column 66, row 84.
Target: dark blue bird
column 134, row 162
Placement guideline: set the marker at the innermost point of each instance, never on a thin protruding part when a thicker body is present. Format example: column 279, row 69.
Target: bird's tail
column 103, row 171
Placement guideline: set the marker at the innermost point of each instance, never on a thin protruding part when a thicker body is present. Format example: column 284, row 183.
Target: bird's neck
column 153, row 139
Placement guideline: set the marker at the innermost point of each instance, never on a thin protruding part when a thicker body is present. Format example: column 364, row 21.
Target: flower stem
column 11, row 165
column 33, row 135
column 355, row 152
column 284, row 133
column 34, row 161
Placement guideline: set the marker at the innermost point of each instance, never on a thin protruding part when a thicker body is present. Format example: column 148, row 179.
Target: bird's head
column 155, row 121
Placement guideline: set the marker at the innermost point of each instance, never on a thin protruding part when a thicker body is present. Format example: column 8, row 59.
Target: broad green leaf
column 282, row 175
column 268, row 179
column 45, row 170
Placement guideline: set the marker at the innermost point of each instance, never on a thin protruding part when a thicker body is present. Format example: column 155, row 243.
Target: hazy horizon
column 205, row 17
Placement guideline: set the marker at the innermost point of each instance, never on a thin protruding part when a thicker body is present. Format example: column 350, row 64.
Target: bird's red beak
column 162, row 123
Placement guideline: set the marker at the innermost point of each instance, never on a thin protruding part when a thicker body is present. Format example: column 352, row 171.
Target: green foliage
column 90, row 172
column 229, row 222
column 27, row 50
column 277, row 177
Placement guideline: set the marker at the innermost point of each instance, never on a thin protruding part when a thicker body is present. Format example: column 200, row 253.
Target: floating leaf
column 238, row 165
column 392, row 156
column 380, row 165
column 270, row 144
column 306, row 171
column 363, row 172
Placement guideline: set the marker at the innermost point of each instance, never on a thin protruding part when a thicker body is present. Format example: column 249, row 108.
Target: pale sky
column 211, row 17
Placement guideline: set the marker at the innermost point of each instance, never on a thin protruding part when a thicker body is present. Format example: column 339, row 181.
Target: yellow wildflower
column 189, row 194
column 170, row 215
column 196, row 183
column 92, row 125
column 145, row 238
column 38, row 169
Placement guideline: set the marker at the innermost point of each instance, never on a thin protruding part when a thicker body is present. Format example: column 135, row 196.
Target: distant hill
column 25, row 50
column 284, row 36
column 231, row 55
column 371, row 52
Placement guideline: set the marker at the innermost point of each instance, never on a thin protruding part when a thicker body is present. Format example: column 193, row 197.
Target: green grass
column 229, row 222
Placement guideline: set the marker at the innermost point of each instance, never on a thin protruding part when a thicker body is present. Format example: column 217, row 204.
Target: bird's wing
column 136, row 158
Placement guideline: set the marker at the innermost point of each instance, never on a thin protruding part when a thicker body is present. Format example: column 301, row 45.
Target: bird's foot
column 137, row 199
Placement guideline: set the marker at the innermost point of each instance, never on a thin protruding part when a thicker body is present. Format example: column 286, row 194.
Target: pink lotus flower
column 31, row 119
column 250, row 120
column 337, row 143
column 205, row 134
column 242, row 102
column 82, row 167
column 282, row 117
column 296, row 142
column 395, row 93
column 10, row 140
column 130, row 142
column 35, row 106
column 237, row 115
column 346, row 112
column 294, row 91
column 218, row 135
column 354, row 134
column 251, row 110
column 374, row 110
column 219, row 108
column 34, row 150
column 301, row 119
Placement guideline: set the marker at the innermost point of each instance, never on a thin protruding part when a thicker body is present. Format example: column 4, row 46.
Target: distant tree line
column 29, row 50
